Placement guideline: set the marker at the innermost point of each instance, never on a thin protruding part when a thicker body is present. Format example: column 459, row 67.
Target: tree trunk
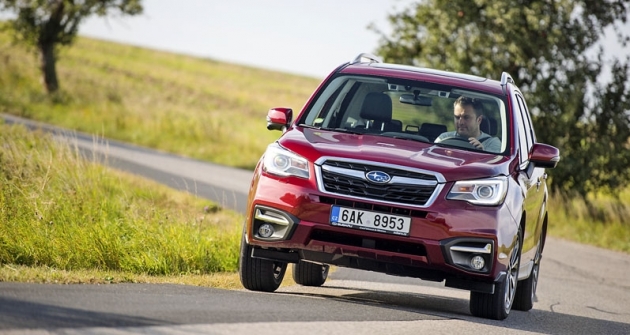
column 48, row 66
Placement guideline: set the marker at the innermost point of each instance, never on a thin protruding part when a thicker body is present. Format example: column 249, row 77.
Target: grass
column 64, row 219
column 601, row 221
column 49, row 275
column 61, row 211
column 196, row 107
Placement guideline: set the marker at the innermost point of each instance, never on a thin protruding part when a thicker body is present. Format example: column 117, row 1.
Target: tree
column 46, row 24
column 553, row 51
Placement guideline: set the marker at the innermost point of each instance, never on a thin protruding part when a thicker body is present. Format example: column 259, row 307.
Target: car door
column 532, row 181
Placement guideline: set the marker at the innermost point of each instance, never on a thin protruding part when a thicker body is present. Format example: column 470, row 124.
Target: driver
column 468, row 114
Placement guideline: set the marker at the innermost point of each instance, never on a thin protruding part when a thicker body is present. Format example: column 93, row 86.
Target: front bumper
column 441, row 240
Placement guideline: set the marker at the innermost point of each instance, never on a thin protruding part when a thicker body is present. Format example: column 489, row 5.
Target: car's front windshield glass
column 411, row 110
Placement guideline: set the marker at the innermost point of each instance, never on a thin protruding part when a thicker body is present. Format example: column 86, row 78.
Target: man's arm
column 492, row 144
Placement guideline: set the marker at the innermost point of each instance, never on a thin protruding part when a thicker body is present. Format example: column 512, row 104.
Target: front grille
column 348, row 178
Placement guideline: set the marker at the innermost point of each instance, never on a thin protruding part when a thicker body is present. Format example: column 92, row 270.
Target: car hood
column 452, row 163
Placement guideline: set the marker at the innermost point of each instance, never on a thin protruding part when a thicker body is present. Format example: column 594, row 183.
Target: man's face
column 466, row 121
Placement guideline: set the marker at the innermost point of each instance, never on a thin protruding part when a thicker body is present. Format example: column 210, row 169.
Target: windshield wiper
column 343, row 130
column 308, row 126
column 409, row 137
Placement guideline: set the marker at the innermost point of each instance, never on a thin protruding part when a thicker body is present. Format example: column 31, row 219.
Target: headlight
column 284, row 163
column 488, row 192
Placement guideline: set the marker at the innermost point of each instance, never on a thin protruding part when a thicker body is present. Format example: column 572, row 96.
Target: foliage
column 46, row 24
column 553, row 51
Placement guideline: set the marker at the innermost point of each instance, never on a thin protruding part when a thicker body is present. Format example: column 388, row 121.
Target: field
column 196, row 107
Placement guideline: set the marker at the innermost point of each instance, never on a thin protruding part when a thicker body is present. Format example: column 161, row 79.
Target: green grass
column 64, row 219
column 193, row 106
column 50, row 275
column 602, row 222
column 61, row 211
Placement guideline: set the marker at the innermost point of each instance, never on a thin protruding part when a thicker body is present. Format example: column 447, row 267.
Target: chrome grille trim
column 347, row 172
column 395, row 179
column 395, row 188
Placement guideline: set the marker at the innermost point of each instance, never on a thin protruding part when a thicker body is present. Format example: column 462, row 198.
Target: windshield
column 410, row 110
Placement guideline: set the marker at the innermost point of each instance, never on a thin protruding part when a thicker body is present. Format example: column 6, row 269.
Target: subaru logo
column 378, row 177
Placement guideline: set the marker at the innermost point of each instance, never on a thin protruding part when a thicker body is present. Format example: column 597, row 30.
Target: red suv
column 406, row 171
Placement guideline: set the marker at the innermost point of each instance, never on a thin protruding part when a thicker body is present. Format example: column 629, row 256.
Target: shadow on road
column 43, row 316
column 539, row 321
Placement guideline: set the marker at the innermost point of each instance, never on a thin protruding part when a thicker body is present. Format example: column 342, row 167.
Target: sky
column 301, row 37
column 307, row 38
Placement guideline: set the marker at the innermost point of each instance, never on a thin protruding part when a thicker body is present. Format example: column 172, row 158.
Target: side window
column 524, row 136
column 527, row 116
column 527, row 122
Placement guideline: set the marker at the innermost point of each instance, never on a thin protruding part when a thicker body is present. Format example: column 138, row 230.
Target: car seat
column 377, row 109
column 489, row 125
column 432, row 130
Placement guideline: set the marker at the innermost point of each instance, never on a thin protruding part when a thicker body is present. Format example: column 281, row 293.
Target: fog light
column 265, row 230
column 477, row 262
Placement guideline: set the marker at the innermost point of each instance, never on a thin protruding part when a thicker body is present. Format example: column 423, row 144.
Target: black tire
column 497, row 306
column 526, row 289
column 310, row 274
column 259, row 274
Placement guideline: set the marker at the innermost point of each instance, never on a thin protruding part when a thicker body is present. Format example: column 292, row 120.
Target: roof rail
column 370, row 57
column 505, row 79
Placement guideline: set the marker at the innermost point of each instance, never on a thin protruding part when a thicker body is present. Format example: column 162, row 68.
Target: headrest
column 377, row 107
column 489, row 126
column 431, row 130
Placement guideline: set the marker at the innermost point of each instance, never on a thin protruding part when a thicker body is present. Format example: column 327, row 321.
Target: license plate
column 373, row 221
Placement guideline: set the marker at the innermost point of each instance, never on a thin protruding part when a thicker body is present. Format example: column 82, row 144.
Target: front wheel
column 259, row 274
column 498, row 305
column 310, row 274
column 526, row 291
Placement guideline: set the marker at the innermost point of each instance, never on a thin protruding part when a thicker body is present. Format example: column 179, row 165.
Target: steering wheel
column 458, row 142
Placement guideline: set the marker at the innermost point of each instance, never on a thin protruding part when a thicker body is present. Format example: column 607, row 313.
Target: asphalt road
column 582, row 289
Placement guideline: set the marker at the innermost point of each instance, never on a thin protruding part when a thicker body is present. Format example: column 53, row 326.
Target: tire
column 259, row 274
column 310, row 274
column 526, row 289
column 497, row 306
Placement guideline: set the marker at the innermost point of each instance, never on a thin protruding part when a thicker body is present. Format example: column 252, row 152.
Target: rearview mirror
column 415, row 100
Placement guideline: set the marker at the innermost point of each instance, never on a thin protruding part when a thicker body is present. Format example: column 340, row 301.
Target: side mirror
column 544, row 155
column 279, row 118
